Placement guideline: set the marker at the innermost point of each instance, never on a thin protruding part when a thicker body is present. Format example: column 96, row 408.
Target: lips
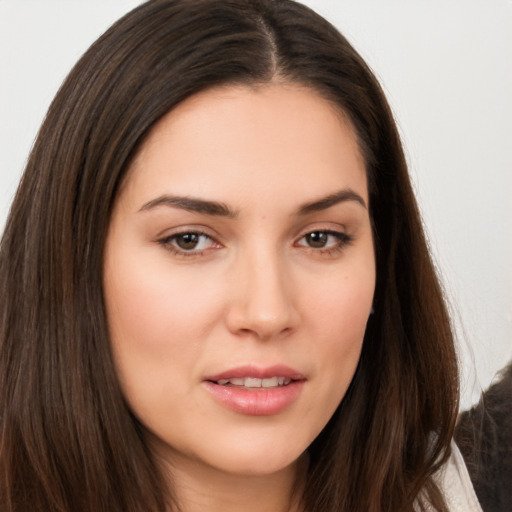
column 256, row 391
column 255, row 383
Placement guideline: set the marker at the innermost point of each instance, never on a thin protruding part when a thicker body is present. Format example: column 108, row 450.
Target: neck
column 200, row 488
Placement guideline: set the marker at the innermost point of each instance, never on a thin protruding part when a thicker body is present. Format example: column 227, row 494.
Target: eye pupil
column 317, row 239
column 187, row 241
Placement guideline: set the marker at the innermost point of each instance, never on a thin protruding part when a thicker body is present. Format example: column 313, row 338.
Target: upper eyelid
column 186, row 232
column 324, row 227
column 170, row 245
column 201, row 229
column 333, row 231
column 342, row 236
column 206, row 231
column 183, row 230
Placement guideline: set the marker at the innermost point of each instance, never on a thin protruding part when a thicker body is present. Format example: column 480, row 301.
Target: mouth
column 256, row 392
column 254, row 382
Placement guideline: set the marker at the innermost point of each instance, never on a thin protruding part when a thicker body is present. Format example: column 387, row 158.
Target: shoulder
column 455, row 484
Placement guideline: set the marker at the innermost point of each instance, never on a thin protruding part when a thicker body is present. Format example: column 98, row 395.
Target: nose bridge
column 264, row 304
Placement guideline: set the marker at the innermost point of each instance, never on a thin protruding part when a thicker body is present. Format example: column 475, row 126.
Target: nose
column 263, row 303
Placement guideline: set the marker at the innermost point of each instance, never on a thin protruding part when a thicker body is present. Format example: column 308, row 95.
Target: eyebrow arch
column 191, row 204
column 331, row 200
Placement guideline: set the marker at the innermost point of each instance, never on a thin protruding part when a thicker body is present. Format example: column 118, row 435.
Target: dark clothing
column 484, row 436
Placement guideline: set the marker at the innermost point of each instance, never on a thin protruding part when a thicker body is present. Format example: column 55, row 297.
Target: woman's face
column 239, row 276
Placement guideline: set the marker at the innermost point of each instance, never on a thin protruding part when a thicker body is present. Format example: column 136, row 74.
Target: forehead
column 250, row 141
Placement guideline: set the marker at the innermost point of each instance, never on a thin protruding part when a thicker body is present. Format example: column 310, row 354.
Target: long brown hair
column 68, row 442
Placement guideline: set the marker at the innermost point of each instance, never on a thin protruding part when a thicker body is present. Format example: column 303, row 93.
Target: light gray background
column 446, row 66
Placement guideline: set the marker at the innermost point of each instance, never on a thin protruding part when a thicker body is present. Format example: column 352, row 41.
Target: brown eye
column 325, row 241
column 317, row 239
column 187, row 241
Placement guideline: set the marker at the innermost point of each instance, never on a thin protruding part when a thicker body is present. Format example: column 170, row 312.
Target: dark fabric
column 484, row 436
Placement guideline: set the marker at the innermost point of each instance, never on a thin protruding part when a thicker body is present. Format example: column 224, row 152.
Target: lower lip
column 256, row 401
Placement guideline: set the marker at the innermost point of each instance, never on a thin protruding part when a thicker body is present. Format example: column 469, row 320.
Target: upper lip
column 256, row 372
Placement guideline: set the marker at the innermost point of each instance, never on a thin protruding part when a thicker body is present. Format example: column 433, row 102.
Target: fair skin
column 240, row 246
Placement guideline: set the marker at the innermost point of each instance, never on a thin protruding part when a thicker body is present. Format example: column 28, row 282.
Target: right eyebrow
column 191, row 204
column 324, row 203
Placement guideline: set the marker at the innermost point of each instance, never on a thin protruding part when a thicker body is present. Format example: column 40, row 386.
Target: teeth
column 269, row 383
column 252, row 382
column 249, row 382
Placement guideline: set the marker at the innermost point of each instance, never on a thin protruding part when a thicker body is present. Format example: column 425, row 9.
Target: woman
column 216, row 292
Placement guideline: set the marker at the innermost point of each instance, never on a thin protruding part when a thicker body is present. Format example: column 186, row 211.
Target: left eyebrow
column 326, row 202
column 191, row 204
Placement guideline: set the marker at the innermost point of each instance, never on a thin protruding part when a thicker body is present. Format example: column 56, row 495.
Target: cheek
column 340, row 304
column 157, row 327
column 153, row 308
column 339, row 312
column 158, row 321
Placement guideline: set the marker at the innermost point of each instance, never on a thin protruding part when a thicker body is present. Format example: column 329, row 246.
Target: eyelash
column 343, row 240
column 167, row 243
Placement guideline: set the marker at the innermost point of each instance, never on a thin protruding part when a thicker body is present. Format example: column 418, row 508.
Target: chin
column 256, row 465
column 251, row 457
